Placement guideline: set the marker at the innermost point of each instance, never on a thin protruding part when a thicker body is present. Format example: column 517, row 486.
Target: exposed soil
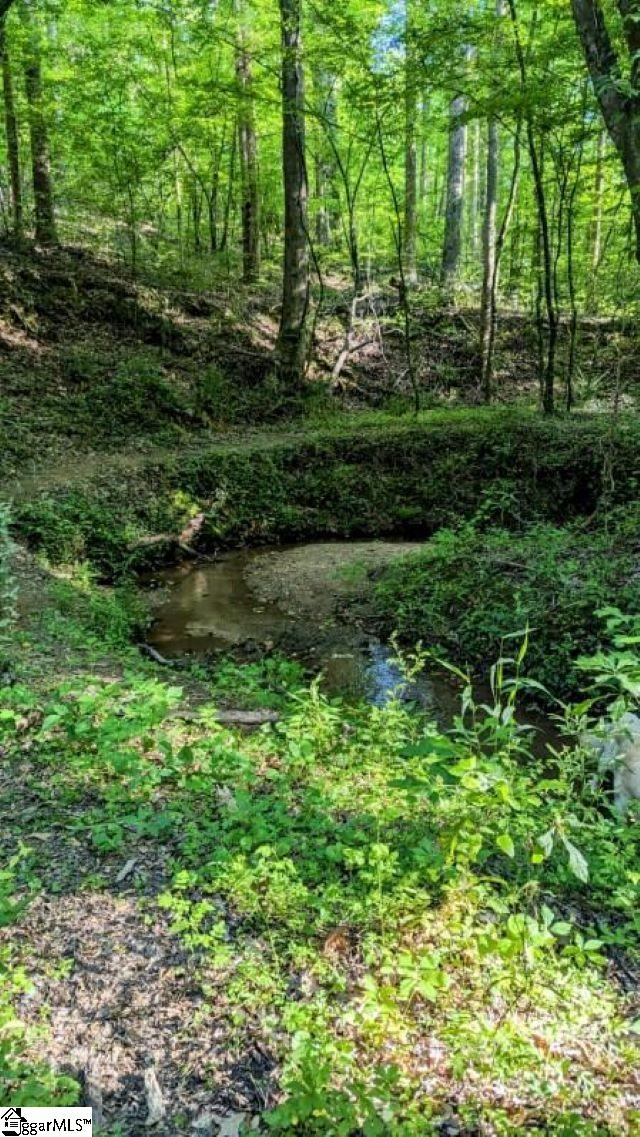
column 310, row 580
column 120, row 996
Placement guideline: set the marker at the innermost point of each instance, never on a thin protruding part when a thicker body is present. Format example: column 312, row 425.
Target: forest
column 320, row 567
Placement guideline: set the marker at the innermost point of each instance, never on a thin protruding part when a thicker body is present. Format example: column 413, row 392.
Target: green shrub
column 137, row 398
column 86, row 614
column 471, row 587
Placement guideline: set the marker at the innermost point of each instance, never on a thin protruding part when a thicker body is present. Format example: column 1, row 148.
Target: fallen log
column 247, row 718
column 230, row 717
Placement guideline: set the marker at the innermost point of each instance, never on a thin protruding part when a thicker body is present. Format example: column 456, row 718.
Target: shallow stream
column 302, row 600
column 256, row 600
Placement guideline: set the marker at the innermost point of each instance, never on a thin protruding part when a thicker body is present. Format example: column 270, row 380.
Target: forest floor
column 197, row 954
column 348, row 921
column 93, row 362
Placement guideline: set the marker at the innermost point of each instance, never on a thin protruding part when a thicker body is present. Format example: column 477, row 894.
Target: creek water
column 252, row 601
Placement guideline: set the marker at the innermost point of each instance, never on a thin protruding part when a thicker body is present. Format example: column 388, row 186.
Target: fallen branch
column 247, row 719
column 154, row 655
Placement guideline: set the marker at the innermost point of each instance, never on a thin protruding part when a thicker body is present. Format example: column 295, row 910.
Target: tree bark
column 489, row 253
column 248, row 144
column 596, row 224
column 326, row 104
column 475, row 203
column 454, row 194
column 230, row 188
column 619, row 99
column 291, row 346
column 548, row 377
column 411, row 156
column 45, row 222
column 11, row 126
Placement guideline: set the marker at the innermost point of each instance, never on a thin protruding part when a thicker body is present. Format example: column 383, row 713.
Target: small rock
column 126, row 870
column 203, row 1124
column 230, row 1125
column 155, row 1103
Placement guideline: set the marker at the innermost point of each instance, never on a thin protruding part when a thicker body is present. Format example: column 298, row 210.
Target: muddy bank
column 314, row 580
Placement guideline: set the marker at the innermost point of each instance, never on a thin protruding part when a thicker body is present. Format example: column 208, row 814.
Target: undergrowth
column 473, row 585
column 415, row 924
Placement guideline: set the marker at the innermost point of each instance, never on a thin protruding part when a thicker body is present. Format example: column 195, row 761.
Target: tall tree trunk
column 410, row 153
column 475, row 204
column 423, row 183
column 325, row 99
column 490, row 317
column 230, row 189
column 596, row 225
column 250, row 191
column 45, row 222
column 11, row 126
column 548, row 379
column 291, row 346
column 617, row 94
column 454, row 194
column 489, row 251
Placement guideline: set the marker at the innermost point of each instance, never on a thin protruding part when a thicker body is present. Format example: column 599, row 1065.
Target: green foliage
column 85, row 614
column 136, row 398
column 472, row 586
column 22, row 1082
column 617, row 669
column 265, row 683
column 373, row 476
column 405, row 884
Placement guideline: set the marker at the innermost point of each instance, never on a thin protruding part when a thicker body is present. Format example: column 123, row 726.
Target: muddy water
column 254, row 600
column 286, row 598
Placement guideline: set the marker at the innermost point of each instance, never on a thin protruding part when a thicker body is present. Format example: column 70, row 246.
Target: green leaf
column 562, row 928
column 505, row 843
column 577, row 862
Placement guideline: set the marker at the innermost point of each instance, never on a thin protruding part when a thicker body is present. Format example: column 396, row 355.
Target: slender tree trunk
column 454, row 194
column 571, row 282
column 291, row 346
column 45, row 223
column 423, row 184
column 410, row 153
column 13, row 139
column 548, row 380
column 596, row 227
column 492, row 318
column 250, row 191
column 475, row 204
column 325, row 99
column 489, row 251
column 214, row 194
column 196, row 214
column 230, row 190
column 617, row 94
